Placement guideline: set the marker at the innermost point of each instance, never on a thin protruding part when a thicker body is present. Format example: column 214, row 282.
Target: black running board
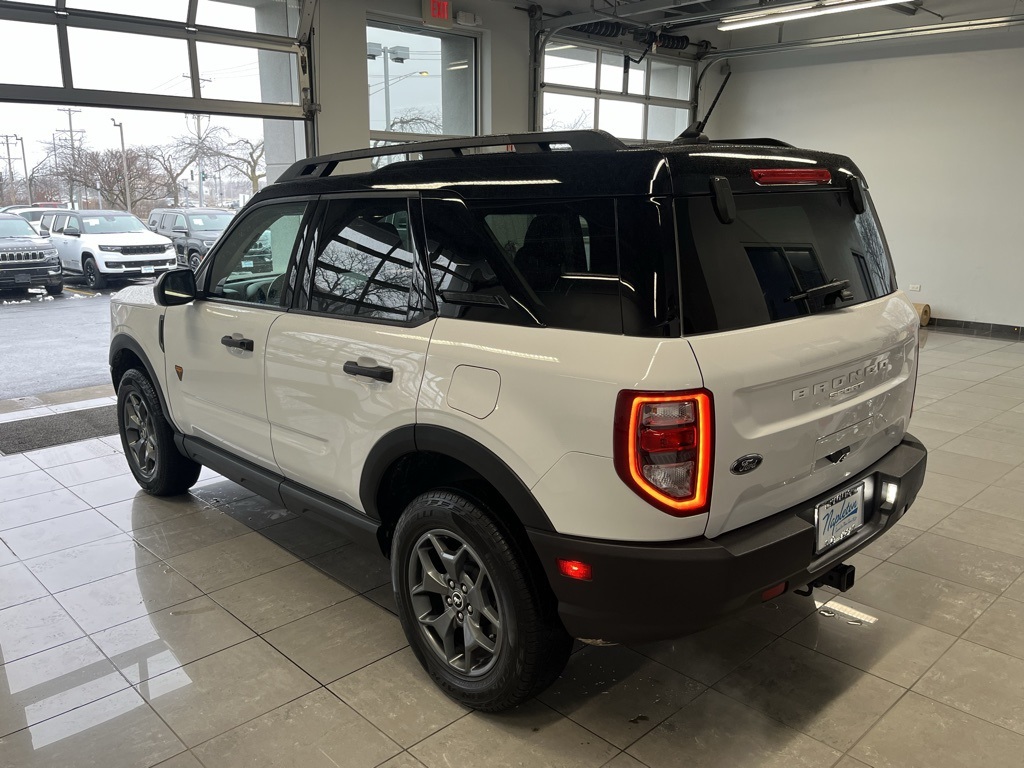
column 289, row 494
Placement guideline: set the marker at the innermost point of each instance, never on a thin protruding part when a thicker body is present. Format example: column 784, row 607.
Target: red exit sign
column 438, row 13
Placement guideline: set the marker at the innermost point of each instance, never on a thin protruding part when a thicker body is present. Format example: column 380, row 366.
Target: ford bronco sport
column 573, row 390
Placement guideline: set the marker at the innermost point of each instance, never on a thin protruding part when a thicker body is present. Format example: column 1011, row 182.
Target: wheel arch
column 413, row 459
column 126, row 353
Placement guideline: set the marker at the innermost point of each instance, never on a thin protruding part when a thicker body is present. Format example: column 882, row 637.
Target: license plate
column 147, row 270
column 839, row 517
column 247, row 264
column 22, row 279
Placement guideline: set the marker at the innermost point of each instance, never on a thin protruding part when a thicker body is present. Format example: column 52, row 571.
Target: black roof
column 614, row 169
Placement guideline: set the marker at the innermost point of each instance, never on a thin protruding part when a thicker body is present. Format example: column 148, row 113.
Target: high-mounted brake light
column 773, row 176
column 663, row 443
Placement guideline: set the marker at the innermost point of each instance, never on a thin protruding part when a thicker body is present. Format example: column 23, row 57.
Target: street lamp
column 398, row 54
column 124, row 164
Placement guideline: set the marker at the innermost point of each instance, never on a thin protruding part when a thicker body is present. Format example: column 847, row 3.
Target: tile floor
column 217, row 630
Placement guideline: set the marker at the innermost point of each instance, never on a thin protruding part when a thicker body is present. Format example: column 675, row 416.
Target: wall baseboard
column 983, row 330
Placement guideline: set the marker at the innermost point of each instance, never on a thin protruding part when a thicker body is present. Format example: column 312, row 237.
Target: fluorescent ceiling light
column 564, row 47
column 795, row 12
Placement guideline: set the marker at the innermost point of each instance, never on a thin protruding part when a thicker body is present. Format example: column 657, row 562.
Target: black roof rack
column 578, row 141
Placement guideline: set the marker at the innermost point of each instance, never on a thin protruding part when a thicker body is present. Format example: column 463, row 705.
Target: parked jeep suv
column 106, row 245
column 612, row 393
column 26, row 259
column 192, row 230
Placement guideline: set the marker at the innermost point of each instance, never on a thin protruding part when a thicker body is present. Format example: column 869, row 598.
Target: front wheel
column 193, row 260
column 479, row 618
column 93, row 277
column 55, row 290
column 148, row 439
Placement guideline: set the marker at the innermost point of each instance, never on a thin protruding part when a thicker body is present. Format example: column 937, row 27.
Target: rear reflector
column 575, row 569
column 662, row 447
column 773, row 592
column 766, row 176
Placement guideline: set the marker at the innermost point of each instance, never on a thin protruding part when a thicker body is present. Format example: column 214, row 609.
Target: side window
column 252, row 263
column 179, row 222
column 45, row 221
column 166, row 221
column 365, row 262
column 154, row 221
column 471, row 273
column 58, row 223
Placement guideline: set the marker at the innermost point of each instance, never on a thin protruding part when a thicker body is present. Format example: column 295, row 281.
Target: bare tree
column 413, row 120
column 247, row 158
column 173, row 160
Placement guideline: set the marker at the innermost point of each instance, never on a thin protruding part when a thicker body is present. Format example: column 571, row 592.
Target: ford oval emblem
column 745, row 464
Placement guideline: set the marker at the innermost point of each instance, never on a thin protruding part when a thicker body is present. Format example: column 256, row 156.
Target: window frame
column 478, row 114
column 299, row 247
column 420, row 284
column 597, row 93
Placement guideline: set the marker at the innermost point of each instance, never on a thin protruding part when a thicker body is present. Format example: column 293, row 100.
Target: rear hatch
column 801, row 336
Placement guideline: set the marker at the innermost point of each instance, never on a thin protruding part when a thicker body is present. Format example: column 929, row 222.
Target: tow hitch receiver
column 840, row 577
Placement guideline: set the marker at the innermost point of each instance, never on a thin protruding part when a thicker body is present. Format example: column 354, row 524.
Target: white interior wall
column 503, row 52
column 936, row 128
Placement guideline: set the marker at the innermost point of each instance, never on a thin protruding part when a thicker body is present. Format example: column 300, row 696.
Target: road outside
column 50, row 345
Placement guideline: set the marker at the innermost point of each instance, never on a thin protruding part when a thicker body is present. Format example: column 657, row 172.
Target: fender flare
column 123, row 341
column 455, row 445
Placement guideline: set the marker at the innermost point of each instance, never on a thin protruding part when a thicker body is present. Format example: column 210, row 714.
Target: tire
column 193, row 260
column 148, row 439
column 93, row 277
column 55, row 290
column 505, row 603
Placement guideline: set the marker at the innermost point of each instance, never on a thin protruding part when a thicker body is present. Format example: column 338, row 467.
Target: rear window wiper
column 828, row 293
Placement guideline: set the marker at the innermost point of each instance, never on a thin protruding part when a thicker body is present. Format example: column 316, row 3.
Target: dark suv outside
column 26, row 259
column 192, row 230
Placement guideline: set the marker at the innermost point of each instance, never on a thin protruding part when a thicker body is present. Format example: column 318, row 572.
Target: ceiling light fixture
column 795, row 12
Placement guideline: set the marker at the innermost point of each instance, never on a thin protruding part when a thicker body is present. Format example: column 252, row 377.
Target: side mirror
column 152, row 227
column 175, row 287
column 71, row 232
column 180, row 230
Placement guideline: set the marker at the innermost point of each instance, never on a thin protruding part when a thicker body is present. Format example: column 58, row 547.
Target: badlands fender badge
column 180, row 371
column 745, row 464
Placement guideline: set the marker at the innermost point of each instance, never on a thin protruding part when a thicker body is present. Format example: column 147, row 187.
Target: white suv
column 612, row 394
column 106, row 245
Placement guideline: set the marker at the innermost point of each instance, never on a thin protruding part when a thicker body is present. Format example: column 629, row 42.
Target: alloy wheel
column 455, row 602
column 140, row 435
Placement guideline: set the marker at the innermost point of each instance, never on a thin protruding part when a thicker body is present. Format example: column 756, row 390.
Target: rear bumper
column 645, row 592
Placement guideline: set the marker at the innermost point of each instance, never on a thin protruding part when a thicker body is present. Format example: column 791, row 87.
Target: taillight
column 773, row 176
column 663, row 444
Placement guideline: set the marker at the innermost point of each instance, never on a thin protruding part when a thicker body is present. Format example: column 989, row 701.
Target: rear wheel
column 477, row 616
column 93, row 277
column 55, row 290
column 148, row 439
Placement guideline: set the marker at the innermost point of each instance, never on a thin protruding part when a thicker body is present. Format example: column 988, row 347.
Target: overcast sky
column 113, row 61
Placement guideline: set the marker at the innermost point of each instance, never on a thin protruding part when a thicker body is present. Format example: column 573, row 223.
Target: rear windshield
column 764, row 266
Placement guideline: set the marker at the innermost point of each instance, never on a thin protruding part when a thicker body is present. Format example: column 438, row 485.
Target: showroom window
column 420, row 82
column 590, row 87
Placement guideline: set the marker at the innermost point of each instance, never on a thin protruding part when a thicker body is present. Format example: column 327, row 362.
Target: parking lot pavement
column 53, row 343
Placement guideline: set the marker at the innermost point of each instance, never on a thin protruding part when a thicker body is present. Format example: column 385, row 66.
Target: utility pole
column 24, row 164
column 71, row 136
column 124, row 163
column 199, row 158
column 8, row 137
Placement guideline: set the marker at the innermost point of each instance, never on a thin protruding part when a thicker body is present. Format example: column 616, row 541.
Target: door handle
column 380, row 372
column 243, row 344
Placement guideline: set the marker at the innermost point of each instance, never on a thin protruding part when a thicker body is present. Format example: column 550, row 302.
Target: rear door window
column 765, row 266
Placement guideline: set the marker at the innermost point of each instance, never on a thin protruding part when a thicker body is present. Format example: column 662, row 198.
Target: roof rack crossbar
column 758, row 142
column 578, row 141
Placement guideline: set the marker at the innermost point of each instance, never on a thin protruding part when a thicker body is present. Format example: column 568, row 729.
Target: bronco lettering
column 842, row 385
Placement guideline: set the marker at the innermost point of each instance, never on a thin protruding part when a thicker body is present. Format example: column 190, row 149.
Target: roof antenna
column 695, row 133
